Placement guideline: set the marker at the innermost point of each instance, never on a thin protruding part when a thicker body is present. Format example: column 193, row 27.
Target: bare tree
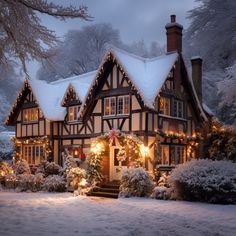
column 81, row 51
column 22, row 36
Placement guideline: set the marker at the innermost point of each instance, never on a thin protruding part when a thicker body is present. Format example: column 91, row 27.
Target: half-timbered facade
column 153, row 99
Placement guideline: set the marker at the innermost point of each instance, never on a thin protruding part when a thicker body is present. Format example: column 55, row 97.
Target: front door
column 116, row 167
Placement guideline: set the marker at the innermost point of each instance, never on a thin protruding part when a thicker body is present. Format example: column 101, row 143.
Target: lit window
column 73, row 113
column 123, row 105
column 30, row 115
column 165, row 154
column 164, row 106
column 178, row 109
column 173, row 154
column 110, row 106
column 33, row 154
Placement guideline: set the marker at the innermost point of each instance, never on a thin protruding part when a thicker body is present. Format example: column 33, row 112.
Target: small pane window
column 113, row 106
column 164, row 106
column 178, row 110
column 109, row 106
column 73, row 113
column 30, row 115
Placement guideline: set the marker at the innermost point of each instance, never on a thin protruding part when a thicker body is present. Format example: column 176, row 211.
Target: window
column 110, row 106
column 33, row 154
column 164, row 154
column 123, row 105
column 164, row 107
column 30, row 115
column 178, row 109
column 172, row 154
column 73, row 113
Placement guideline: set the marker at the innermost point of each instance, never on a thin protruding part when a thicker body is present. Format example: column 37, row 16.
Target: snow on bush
column 160, row 192
column 29, row 182
column 55, row 183
column 10, row 181
column 5, row 168
column 136, row 182
column 22, row 167
column 204, row 180
column 49, row 168
column 76, row 179
column 6, row 149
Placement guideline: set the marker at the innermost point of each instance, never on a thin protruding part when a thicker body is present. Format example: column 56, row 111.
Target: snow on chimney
column 197, row 75
column 174, row 35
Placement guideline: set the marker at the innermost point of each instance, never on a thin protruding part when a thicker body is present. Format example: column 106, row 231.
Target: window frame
column 108, row 101
column 30, row 115
column 123, row 98
column 30, row 153
column 178, row 106
column 74, row 113
column 168, row 100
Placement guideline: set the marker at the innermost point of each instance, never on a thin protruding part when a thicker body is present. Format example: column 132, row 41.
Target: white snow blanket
column 63, row 214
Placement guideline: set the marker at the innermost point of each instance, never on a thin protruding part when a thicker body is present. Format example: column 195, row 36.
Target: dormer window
column 73, row 113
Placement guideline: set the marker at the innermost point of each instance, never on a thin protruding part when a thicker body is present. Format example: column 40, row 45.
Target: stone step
column 111, row 185
column 103, row 194
column 107, row 190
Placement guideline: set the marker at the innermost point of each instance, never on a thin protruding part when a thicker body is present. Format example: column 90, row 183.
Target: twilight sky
column 135, row 19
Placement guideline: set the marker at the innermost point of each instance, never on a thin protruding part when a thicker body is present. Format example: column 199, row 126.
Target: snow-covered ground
column 63, row 214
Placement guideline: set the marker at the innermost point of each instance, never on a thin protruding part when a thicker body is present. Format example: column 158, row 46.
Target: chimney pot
column 173, row 18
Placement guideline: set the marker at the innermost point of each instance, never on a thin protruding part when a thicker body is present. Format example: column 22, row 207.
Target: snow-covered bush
column 76, row 177
column 22, row 167
column 204, row 180
column 68, row 164
column 6, row 150
column 55, row 183
column 160, row 192
column 136, row 182
column 10, row 181
column 29, row 182
column 5, row 168
column 49, row 168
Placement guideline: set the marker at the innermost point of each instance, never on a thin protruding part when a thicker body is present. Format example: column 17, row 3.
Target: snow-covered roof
column 50, row 95
column 49, row 98
column 147, row 75
column 80, row 83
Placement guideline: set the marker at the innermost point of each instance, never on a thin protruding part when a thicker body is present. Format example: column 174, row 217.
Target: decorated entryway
column 116, row 151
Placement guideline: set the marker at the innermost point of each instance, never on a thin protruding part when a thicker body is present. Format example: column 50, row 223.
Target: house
column 154, row 100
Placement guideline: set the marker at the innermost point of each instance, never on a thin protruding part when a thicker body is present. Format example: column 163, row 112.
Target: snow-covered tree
column 211, row 35
column 81, row 51
column 22, row 34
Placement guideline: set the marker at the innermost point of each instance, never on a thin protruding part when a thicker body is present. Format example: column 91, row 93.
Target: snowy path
column 64, row 215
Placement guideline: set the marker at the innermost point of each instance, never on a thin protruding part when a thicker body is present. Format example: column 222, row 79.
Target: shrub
column 160, row 192
column 51, row 168
column 22, row 167
column 136, row 182
column 55, row 183
column 30, row 182
column 5, row 168
column 76, row 178
column 10, row 181
column 204, row 180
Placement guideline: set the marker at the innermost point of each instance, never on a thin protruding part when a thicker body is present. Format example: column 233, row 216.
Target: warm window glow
column 164, row 107
column 123, row 105
column 110, row 106
column 33, row 154
column 164, row 154
column 30, row 115
column 73, row 113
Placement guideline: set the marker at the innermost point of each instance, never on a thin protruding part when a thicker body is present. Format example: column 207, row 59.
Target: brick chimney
column 174, row 35
column 197, row 75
